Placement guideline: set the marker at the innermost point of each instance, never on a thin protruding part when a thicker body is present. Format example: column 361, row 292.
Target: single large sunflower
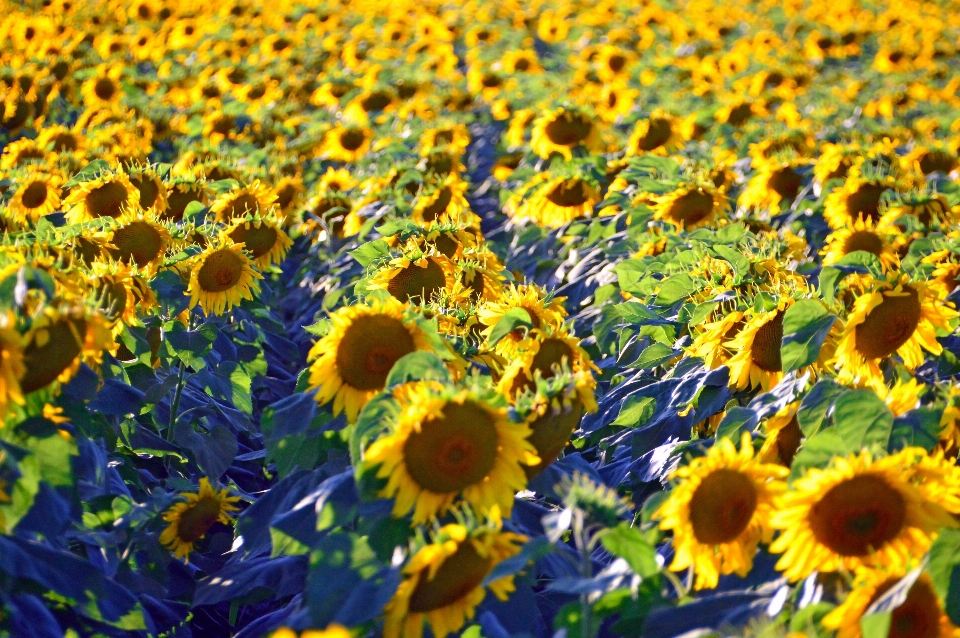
column 109, row 195
column 416, row 278
column 351, row 363
column 861, row 511
column 222, row 277
column 244, row 200
column 190, row 521
column 140, row 240
column 263, row 237
column 756, row 347
column 658, row 134
column 920, row 615
column 37, row 195
column 560, row 201
column 858, row 197
column 862, row 234
column 58, row 342
column 891, row 317
column 346, row 143
column 544, row 311
column 719, row 511
column 562, row 130
column 450, row 443
column 444, row 581
column 774, row 186
column 689, row 206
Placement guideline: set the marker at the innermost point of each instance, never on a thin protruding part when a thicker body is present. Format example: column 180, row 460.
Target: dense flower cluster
column 331, row 318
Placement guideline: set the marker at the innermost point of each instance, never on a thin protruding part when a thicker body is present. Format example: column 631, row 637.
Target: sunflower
column 519, row 61
column 346, row 143
column 139, row 239
column 861, row 511
column 719, row 511
column 109, row 195
column 445, row 203
column 191, row 520
column 835, row 162
column 946, row 274
column 11, row 363
column 783, row 436
column 553, row 414
column 444, row 580
column 920, row 615
column 897, row 316
column 478, row 276
column 153, row 192
column 290, row 193
column 24, row 152
column 543, row 355
column 756, row 346
column 858, row 197
column 417, row 277
column 336, row 180
column 659, row 134
column 931, row 209
column 183, row 191
column 545, row 310
column 222, row 276
column 350, row 364
column 774, row 186
column 244, row 200
column 263, row 237
column 690, row 205
column 62, row 140
column 560, row 201
column 712, row 341
column 121, row 291
column 865, row 235
column 450, row 443
column 333, row 630
column 37, row 195
column 102, row 89
column 561, row 130
column 369, row 103
column 58, row 341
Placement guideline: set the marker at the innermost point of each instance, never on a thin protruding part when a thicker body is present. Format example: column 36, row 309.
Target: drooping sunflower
column 139, row 239
column 659, row 134
column 444, row 203
column 263, row 237
column 108, row 195
column 444, row 581
column 11, row 363
column 858, row 197
column 866, row 235
column 783, row 435
column 861, row 511
column 245, row 200
column 719, row 511
column 451, row 443
column 920, row 615
column 222, row 276
column 153, row 192
column 38, row 195
column 190, row 521
column 756, row 347
column 351, row 363
column 182, row 191
column 416, row 277
column 774, row 186
column 690, row 205
column 346, row 143
column 712, row 341
column 897, row 316
column 121, row 291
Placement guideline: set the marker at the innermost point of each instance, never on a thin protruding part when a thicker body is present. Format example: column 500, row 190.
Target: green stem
column 175, row 405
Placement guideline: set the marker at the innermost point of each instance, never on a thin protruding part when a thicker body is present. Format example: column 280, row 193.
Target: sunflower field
column 526, row 318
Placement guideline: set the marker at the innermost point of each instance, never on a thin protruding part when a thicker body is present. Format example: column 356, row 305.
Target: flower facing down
column 191, row 520
column 719, row 511
column 449, row 443
column 443, row 582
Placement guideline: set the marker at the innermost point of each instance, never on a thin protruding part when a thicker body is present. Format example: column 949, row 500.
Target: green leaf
column 864, row 261
column 635, row 411
column 193, row 210
column 806, row 325
column 863, row 420
column 371, row 252
column 675, row 288
column 88, row 173
column 740, row 263
column 629, row 544
column 876, row 625
column 765, row 302
column 702, row 311
column 944, row 557
column 654, row 355
column 513, row 319
column 814, row 407
column 817, row 451
column 630, row 274
column 421, row 365
column 731, row 234
column 828, row 283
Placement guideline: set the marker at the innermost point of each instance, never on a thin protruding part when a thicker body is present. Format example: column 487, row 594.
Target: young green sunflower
column 719, row 511
column 450, row 444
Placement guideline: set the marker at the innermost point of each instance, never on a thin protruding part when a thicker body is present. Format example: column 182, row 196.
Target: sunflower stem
column 175, row 405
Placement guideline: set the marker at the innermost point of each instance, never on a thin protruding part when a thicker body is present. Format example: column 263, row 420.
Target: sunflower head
column 859, row 197
column 262, row 237
column 719, row 510
column 58, row 341
column 444, row 580
column 38, row 194
column 416, row 277
column 451, row 443
column 690, row 206
column 866, row 235
column 222, row 277
column 350, row 364
column 659, row 133
column 561, row 130
column 140, row 240
column 190, row 520
column 244, row 200
column 109, row 195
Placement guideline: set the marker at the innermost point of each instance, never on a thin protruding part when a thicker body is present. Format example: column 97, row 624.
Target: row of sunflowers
column 343, row 318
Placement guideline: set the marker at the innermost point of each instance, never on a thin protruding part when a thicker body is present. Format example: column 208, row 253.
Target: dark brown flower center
column 369, row 348
column 568, row 193
column 786, row 183
column 865, row 201
column 658, row 133
column 722, row 506
column 568, row 129
column 416, row 282
column 458, row 575
column 35, row 195
column 257, row 240
column 690, row 208
column 139, row 242
column 434, row 209
column 106, row 200
column 863, row 240
column 859, row 515
column 198, row 519
column 352, row 139
column 889, row 325
column 44, row 363
column 765, row 352
column 221, row 271
column 149, row 191
column 550, row 433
